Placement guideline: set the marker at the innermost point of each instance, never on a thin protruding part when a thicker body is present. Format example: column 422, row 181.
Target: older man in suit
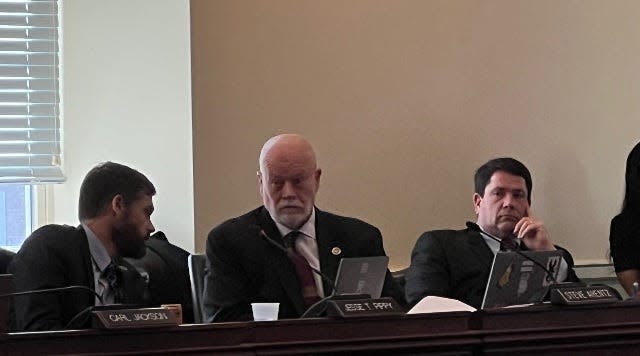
column 456, row 264
column 245, row 266
column 114, row 210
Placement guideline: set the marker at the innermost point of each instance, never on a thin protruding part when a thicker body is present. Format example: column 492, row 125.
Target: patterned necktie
column 508, row 243
column 110, row 273
column 305, row 274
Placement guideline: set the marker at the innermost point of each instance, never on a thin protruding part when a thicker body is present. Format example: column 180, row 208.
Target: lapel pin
column 336, row 251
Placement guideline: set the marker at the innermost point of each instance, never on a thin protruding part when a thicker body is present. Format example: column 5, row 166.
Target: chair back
column 6, row 257
column 197, row 263
column 166, row 268
column 398, row 277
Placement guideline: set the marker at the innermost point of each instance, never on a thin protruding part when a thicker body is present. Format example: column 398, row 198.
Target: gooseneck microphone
column 320, row 306
column 52, row 290
column 280, row 247
column 82, row 314
column 474, row 227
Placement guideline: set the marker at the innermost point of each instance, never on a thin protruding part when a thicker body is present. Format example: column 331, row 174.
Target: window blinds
column 30, row 133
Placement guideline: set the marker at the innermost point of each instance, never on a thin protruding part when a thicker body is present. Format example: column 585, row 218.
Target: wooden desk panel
column 539, row 330
column 428, row 333
column 554, row 330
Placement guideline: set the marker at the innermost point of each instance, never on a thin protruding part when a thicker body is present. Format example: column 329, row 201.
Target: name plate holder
column 355, row 308
column 134, row 318
column 584, row 295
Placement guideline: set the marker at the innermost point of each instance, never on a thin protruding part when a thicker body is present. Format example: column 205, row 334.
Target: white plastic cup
column 265, row 311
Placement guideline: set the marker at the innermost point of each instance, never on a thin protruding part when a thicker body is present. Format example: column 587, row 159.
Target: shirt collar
column 308, row 228
column 98, row 252
column 494, row 245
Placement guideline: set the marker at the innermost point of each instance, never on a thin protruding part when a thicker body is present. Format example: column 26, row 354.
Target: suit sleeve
column 428, row 273
column 37, row 266
column 226, row 285
column 623, row 245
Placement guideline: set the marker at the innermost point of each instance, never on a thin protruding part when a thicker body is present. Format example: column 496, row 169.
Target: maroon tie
column 305, row 275
column 508, row 243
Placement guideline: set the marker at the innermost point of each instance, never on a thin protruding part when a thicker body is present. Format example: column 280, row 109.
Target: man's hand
column 533, row 233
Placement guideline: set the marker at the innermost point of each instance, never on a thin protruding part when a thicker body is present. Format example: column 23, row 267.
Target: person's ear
column 260, row 188
column 117, row 205
column 317, row 175
column 477, row 199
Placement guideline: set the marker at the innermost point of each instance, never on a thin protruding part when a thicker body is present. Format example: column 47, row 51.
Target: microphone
column 474, row 227
column 280, row 247
column 51, row 290
column 320, row 306
column 74, row 321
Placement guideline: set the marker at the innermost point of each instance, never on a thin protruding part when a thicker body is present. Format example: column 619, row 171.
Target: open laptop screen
column 361, row 275
column 516, row 280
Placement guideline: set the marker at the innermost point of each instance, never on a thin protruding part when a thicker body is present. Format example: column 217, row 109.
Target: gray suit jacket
column 454, row 264
column 243, row 267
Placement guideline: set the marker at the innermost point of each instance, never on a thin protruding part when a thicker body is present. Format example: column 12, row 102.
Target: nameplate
column 135, row 318
column 363, row 307
column 584, row 295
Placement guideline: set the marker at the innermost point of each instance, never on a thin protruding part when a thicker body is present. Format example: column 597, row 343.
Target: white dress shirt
column 100, row 260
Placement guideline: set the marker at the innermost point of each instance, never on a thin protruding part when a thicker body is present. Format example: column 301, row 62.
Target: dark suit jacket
column 624, row 243
column 243, row 267
column 454, row 264
column 58, row 256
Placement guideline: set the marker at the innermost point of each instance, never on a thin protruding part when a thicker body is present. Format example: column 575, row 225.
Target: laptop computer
column 361, row 275
column 516, row 280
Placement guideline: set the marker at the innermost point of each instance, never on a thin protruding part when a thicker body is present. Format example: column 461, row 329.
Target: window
column 30, row 132
column 15, row 214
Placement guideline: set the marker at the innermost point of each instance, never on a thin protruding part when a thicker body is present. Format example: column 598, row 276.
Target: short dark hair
column 105, row 181
column 631, row 203
column 505, row 164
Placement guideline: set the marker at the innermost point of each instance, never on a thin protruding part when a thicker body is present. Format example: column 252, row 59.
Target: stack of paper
column 433, row 304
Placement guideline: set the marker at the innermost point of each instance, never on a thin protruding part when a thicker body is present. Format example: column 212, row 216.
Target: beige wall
column 127, row 98
column 403, row 100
